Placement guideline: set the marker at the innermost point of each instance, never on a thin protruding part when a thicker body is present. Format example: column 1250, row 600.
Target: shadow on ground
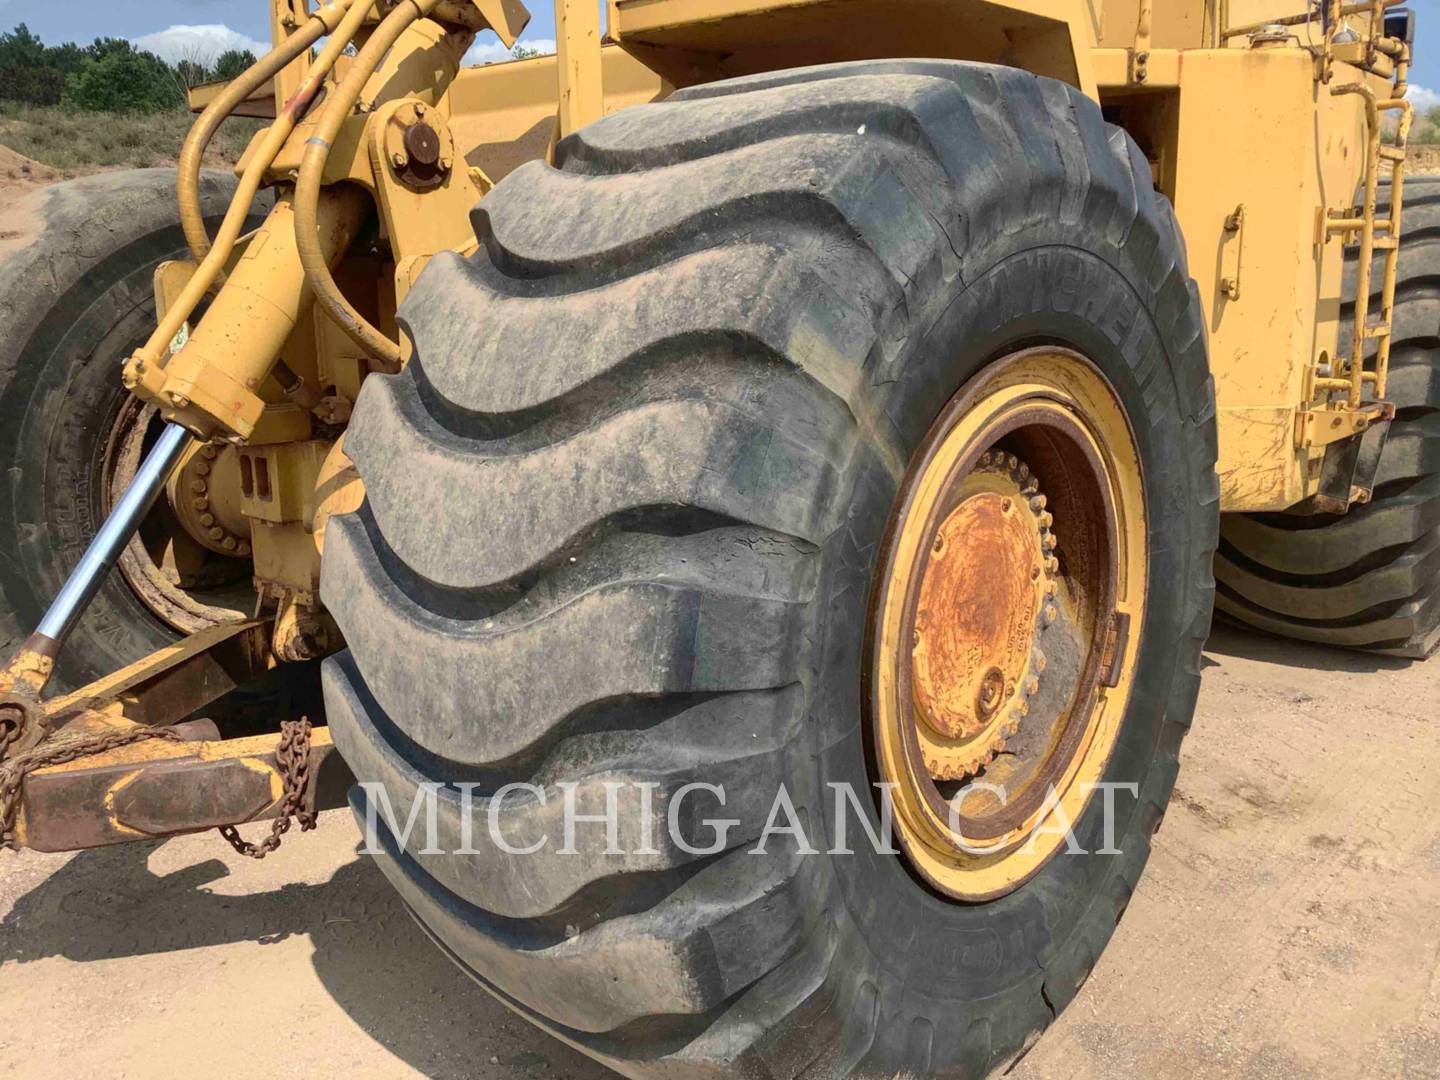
column 370, row 956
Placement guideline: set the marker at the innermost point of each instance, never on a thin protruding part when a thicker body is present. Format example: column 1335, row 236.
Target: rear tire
column 76, row 296
column 1369, row 579
column 623, row 512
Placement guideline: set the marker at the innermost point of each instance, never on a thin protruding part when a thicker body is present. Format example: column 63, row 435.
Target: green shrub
column 231, row 64
column 124, row 80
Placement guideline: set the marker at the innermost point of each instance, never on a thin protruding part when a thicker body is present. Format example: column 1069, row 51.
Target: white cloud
column 199, row 43
column 1423, row 97
column 490, row 52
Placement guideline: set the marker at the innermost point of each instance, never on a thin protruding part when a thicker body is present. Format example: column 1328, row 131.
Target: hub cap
column 984, row 598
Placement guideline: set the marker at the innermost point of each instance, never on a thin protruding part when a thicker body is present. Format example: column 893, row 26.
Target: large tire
column 76, row 296
column 1369, row 579
column 623, row 510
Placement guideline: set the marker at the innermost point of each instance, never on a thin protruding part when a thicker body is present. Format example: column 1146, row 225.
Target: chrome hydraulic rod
column 104, row 551
column 23, row 679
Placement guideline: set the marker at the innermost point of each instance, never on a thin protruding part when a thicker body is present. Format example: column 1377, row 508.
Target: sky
column 179, row 28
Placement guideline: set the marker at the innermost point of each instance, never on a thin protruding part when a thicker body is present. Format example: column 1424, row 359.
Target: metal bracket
column 1232, row 250
column 1321, row 427
column 1347, row 474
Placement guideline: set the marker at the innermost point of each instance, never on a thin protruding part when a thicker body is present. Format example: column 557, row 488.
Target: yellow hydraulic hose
column 324, row 21
column 156, row 348
column 312, row 169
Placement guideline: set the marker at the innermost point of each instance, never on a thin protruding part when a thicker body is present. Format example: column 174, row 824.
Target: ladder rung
column 1377, row 330
column 1386, row 243
column 1392, row 153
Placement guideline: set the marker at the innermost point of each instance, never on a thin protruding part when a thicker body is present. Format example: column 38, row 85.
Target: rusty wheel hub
column 984, row 600
column 999, row 665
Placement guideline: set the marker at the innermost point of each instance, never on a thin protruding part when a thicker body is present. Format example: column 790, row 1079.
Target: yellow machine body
column 1260, row 124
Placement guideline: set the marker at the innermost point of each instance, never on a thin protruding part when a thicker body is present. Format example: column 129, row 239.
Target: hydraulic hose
column 212, row 265
column 324, row 21
column 312, row 170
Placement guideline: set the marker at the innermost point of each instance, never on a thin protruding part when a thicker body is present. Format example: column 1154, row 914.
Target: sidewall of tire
column 929, row 959
column 74, row 300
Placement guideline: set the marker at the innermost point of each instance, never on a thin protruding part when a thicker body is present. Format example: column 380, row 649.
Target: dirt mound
column 1424, row 159
column 19, row 173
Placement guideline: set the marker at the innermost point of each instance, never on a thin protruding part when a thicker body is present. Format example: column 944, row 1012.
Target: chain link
column 293, row 758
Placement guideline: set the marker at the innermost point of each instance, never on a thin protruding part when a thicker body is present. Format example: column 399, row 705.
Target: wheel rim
column 216, row 585
column 1005, row 622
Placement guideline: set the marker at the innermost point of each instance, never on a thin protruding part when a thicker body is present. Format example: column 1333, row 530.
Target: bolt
column 939, row 544
column 207, row 520
column 398, row 159
column 203, row 468
column 243, row 548
column 229, row 543
column 1037, row 503
column 915, row 638
column 216, row 533
column 1052, row 564
column 1013, row 462
column 986, row 458
column 210, row 452
column 1005, row 506
column 991, row 693
column 179, row 400
column 1040, row 661
column 197, row 486
column 419, row 109
column 1035, row 572
column 200, row 503
column 1046, row 521
column 1032, row 685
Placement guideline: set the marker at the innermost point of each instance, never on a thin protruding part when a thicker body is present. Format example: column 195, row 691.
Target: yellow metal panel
column 503, row 115
column 1254, row 131
column 699, row 40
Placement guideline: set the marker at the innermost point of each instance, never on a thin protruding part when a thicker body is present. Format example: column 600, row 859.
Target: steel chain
column 293, row 758
column 57, row 750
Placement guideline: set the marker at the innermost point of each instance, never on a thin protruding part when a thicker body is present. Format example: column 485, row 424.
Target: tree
column 123, row 80
column 190, row 73
column 232, row 63
column 33, row 73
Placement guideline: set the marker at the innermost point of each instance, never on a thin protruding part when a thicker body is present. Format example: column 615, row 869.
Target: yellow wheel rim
column 1005, row 620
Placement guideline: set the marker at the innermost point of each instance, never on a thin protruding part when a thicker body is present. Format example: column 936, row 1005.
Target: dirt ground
column 1287, row 926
